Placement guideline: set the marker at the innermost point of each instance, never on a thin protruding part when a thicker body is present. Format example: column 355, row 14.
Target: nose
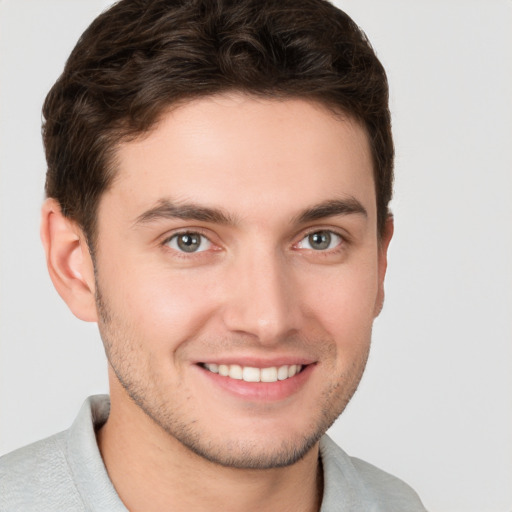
column 262, row 299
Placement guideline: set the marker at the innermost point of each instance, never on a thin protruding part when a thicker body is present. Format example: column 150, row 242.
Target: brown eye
column 189, row 242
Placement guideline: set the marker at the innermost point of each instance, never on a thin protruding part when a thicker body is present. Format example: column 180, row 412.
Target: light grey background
column 435, row 406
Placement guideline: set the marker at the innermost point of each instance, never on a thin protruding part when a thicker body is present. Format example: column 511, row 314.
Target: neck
column 152, row 471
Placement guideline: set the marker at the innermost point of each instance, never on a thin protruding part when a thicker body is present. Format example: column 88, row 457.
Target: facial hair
column 139, row 379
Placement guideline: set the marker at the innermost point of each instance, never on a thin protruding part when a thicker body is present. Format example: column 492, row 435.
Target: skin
column 253, row 178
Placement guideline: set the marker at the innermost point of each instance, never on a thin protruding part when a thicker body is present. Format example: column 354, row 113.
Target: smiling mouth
column 251, row 374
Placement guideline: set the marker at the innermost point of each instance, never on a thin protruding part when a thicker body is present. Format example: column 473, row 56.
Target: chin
column 253, row 454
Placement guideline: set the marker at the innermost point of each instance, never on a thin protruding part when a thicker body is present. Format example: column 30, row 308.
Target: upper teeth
column 250, row 374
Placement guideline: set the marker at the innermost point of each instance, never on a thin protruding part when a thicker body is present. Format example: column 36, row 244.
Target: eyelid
column 344, row 239
column 164, row 240
column 338, row 239
column 316, row 229
column 204, row 243
column 188, row 230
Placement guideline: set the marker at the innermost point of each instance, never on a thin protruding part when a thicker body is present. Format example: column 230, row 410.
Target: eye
column 320, row 241
column 189, row 242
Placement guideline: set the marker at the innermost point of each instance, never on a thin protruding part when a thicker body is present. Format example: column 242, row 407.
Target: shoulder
column 62, row 472
column 386, row 488
column 38, row 477
column 362, row 485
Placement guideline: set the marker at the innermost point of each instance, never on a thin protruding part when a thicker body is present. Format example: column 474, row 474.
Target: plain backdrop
column 435, row 405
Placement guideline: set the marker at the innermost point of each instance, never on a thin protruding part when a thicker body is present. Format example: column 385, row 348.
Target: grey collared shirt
column 65, row 472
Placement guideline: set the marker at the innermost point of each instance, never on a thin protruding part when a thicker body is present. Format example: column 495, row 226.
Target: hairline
column 126, row 134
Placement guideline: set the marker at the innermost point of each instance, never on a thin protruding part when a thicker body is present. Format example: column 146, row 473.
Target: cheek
column 163, row 305
column 345, row 302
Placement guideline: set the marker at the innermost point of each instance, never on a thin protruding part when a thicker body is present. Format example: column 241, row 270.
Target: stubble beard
column 232, row 453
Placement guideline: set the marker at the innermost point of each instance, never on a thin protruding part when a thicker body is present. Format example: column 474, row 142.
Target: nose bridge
column 261, row 299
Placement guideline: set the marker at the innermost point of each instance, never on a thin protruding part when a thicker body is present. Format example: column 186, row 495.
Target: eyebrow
column 332, row 208
column 166, row 209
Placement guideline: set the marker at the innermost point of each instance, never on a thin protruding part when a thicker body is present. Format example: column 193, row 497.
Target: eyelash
column 343, row 240
column 195, row 231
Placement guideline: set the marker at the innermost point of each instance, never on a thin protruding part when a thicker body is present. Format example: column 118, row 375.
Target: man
column 218, row 183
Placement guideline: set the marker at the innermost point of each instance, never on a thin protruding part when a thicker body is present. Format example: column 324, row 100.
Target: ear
column 69, row 261
column 383, row 262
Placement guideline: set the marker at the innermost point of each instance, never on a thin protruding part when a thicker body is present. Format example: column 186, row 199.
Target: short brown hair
column 141, row 56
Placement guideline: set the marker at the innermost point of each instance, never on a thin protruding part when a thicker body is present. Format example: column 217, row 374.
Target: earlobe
column 68, row 260
column 383, row 262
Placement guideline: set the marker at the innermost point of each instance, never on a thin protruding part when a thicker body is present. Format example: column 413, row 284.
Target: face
column 238, row 273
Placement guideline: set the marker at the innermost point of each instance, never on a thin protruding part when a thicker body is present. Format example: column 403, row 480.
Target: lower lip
column 260, row 391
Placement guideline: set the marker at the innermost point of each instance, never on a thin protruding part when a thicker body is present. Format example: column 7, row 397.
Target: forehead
column 245, row 153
